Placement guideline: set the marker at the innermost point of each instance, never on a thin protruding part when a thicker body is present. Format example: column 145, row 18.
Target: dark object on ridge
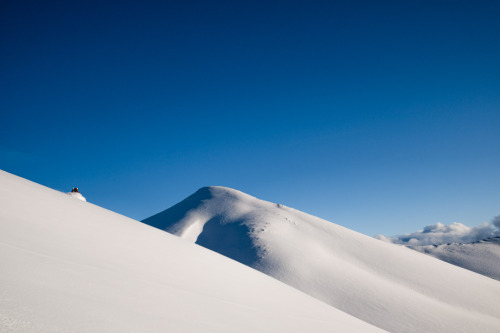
column 75, row 190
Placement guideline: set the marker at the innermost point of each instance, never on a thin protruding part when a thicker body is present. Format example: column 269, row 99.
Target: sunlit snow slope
column 70, row 266
column 482, row 257
column 390, row 286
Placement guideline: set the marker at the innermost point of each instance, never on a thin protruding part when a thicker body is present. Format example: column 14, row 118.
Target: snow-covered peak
column 222, row 191
column 386, row 285
column 221, row 219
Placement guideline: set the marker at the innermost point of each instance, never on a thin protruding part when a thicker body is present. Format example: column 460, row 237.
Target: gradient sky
column 382, row 116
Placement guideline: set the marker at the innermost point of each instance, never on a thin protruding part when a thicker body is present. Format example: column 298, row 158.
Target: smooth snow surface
column 387, row 285
column 482, row 257
column 70, row 266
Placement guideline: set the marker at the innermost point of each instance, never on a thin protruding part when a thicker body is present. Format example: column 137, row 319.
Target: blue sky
column 382, row 117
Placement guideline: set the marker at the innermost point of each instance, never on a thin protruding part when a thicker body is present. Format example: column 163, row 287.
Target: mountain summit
column 389, row 286
column 222, row 219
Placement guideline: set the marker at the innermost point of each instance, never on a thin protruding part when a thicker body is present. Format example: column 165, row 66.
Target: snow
column 77, row 195
column 482, row 257
column 389, row 286
column 70, row 266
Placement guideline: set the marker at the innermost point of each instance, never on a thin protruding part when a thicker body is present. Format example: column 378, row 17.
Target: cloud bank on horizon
column 439, row 233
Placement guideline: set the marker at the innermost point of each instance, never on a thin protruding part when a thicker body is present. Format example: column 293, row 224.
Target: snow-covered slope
column 70, row 266
column 482, row 257
column 390, row 286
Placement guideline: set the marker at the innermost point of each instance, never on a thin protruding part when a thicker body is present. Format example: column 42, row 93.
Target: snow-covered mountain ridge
column 482, row 257
column 389, row 286
column 70, row 266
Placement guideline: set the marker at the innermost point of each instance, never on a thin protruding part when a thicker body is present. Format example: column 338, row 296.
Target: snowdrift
column 389, row 286
column 482, row 257
column 70, row 266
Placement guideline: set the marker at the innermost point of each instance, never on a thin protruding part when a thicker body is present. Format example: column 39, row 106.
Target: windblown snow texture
column 387, row 285
column 70, row 266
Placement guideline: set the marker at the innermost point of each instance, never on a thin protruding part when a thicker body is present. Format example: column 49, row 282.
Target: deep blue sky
column 380, row 116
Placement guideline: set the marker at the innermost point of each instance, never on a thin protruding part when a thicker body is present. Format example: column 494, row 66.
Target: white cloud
column 441, row 234
column 496, row 221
